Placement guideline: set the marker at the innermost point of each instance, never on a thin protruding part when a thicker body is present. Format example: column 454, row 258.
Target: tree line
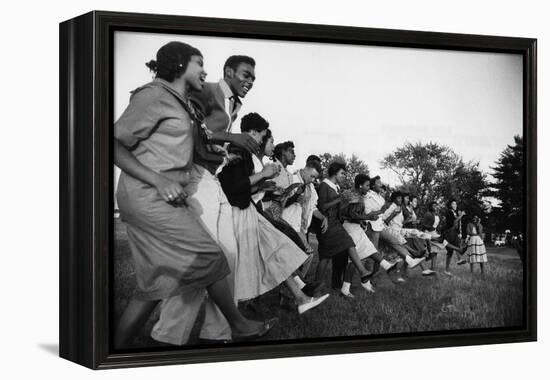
column 434, row 172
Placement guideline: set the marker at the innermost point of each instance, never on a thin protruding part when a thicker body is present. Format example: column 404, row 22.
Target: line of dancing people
column 211, row 222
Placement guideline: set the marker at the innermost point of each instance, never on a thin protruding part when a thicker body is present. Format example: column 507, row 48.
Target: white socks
column 299, row 282
column 409, row 260
column 346, row 287
column 385, row 264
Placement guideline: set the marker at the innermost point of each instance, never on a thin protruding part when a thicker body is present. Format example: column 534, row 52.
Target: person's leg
column 296, row 291
column 215, row 327
column 348, row 277
column 354, row 257
column 429, row 247
column 374, row 237
column 339, row 264
column 322, row 267
column 132, row 320
column 404, row 254
column 448, row 258
column 358, row 264
column 481, row 267
column 381, row 262
column 178, row 315
column 454, row 247
column 404, row 269
column 304, row 302
column 221, row 295
column 472, row 268
column 434, row 261
column 413, row 252
column 306, row 266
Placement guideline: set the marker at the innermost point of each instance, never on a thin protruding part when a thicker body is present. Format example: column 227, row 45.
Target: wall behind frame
column 29, row 160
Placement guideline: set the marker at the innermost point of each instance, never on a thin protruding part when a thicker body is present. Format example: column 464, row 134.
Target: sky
column 354, row 99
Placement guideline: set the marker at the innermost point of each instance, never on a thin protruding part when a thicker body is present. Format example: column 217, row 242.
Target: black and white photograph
column 279, row 191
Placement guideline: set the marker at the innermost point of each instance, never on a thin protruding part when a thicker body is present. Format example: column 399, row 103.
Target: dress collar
column 168, row 86
column 332, row 185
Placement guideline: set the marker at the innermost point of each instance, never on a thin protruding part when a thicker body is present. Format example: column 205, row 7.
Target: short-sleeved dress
column 335, row 240
column 172, row 253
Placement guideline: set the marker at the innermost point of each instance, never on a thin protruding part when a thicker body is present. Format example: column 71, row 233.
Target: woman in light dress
column 266, row 256
column 476, row 248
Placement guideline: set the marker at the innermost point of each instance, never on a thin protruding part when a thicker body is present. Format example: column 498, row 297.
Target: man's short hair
column 235, row 60
column 313, row 157
column 315, row 165
column 360, row 179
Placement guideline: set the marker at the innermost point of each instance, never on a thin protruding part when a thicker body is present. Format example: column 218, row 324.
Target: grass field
column 421, row 304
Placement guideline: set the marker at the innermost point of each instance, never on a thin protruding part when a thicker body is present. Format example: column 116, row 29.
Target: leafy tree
column 354, row 166
column 468, row 185
column 420, row 167
column 436, row 173
column 509, row 186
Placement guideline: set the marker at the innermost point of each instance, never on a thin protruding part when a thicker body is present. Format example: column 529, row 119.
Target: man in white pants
column 300, row 214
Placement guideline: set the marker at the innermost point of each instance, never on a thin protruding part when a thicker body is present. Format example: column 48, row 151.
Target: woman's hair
column 395, row 195
column 266, row 138
column 172, row 60
column 360, row 179
column 253, row 122
column 431, row 204
column 450, row 201
column 335, row 167
column 373, row 181
column 280, row 148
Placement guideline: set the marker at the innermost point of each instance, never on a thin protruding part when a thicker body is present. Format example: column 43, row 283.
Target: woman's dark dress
column 450, row 232
column 335, row 239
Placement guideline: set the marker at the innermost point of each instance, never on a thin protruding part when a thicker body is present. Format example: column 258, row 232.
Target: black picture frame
column 86, row 182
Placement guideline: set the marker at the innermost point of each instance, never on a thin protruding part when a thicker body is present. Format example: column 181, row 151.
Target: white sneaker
column 448, row 273
column 414, row 262
column 428, row 272
column 400, row 279
column 314, row 302
column 368, row 286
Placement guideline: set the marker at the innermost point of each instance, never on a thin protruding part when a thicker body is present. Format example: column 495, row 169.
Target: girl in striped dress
column 476, row 249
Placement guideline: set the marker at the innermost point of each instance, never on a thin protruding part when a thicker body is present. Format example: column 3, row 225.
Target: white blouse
column 258, row 167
